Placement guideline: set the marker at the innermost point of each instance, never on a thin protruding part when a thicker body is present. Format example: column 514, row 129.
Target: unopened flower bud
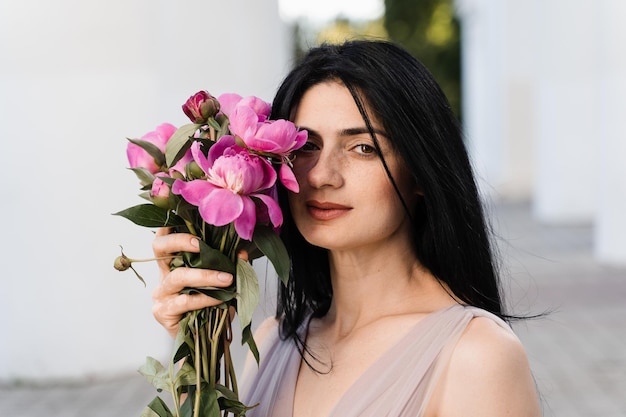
column 160, row 193
column 122, row 263
column 193, row 171
column 200, row 107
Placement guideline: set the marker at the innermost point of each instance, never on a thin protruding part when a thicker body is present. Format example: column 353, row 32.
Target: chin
column 320, row 239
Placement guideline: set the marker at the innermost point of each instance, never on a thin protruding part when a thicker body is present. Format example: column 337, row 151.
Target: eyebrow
column 351, row 131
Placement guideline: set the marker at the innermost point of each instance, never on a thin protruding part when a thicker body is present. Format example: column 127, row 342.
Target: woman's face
column 346, row 200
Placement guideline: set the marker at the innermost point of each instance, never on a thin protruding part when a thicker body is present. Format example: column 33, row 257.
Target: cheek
column 295, row 206
column 300, row 167
column 407, row 188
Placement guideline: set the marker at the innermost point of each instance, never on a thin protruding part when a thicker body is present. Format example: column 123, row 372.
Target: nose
column 325, row 170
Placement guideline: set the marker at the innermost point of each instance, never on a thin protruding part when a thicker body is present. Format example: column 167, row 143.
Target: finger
column 168, row 243
column 170, row 311
column 162, row 231
column 172, row 308
column 180, row 278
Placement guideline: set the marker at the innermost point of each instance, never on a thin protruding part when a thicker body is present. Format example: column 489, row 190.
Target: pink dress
column 399, row 383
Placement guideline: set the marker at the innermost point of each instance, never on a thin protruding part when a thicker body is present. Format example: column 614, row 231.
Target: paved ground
column 577, row 352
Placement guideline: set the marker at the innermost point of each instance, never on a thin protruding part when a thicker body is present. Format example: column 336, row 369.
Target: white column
column 497, row 91
column 565, row 110
column 76, row 79
column 610, row 140
column 481, row 82
column 518, row 89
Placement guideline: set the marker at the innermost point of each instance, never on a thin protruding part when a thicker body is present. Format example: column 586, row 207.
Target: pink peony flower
column 278, row 137
column 236, row 179
column 230, row 101
column 201, row 106
column 160, row 189
column 139, row 158
column 160, row 192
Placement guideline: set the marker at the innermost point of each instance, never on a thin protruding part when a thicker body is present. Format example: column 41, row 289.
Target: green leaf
column 208, row 403
column 145, row 177
column 157, row 408
column 186, row 375
column 213, row 292
column 157, row 374
column 149, row 215
column 139, row 277
column 228, row 401
column 209, row 258
column 247, row 337
column 268, row 242
column 247, row 292
column 209, row 406
column 183, row 340
column 146, row 196
column 178, row 144
column 152, row 149
column 214, row 124
column 224, row 128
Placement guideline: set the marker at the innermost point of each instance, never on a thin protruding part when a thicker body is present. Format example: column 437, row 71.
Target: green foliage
column 152, row 149
column 156, row 374
column 179, row 143
column 246, row 338
column 201, row 353
column 157, row 408
column 209, row 258
column 247, row 292
column 149, row 215
column 270, row 244
column 228, row 401
column 429, row 30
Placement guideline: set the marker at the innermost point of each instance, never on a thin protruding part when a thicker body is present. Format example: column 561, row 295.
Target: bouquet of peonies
column 214, row 178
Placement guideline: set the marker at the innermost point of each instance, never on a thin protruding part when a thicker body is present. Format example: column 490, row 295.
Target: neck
column 375, row 284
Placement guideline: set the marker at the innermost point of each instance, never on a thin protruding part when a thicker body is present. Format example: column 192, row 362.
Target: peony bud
column 160, row 193
column 193, row 171
column 122, row 263
column 201, row 106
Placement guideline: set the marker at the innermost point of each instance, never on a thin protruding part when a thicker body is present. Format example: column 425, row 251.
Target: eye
column 309, row 147
column 365, row 149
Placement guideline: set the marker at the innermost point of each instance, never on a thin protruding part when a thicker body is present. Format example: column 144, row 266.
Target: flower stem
column 196, row 407
column 160, row 258
column 174, row 391
column 191, row 228
column 205, row 341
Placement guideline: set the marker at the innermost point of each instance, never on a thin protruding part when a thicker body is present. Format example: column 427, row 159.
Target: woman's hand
column 169, row 305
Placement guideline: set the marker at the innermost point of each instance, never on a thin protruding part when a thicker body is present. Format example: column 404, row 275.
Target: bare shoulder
column 486, row 341
column 267, row 328
column 488, row 375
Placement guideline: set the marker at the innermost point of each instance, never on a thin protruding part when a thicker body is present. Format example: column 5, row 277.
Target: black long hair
column 450, row 233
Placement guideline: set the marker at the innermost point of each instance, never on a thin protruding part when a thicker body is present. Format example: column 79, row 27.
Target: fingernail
column 224, row 277
column 195, row 243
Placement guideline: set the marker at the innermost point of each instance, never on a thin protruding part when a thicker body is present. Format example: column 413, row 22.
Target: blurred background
column 539, row 86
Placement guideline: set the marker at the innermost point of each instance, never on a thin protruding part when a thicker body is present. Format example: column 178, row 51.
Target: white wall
column 544, row 99
column 497, row 91
column 566, row 111
column 76, row 78
column 610, row 231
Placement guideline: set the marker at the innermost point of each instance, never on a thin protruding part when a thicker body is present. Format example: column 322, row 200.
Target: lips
column 323, row 210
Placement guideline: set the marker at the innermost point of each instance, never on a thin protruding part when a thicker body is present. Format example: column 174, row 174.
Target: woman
column 393, row 307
